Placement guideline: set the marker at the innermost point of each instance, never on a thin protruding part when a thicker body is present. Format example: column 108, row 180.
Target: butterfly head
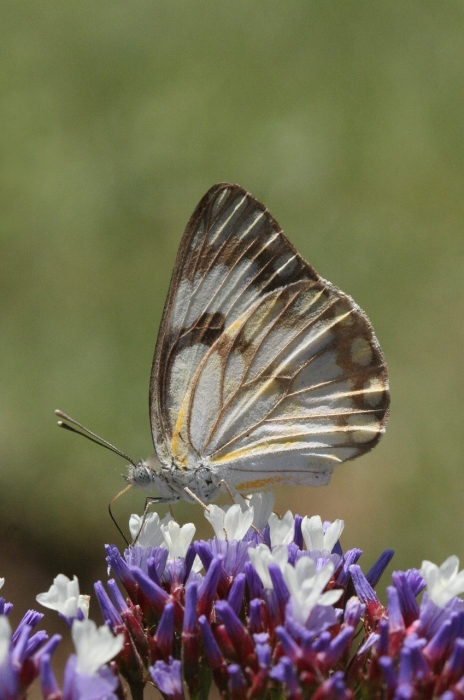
column 144, row 474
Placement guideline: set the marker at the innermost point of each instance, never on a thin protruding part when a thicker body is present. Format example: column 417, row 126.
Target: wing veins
column 221, row 228
column 205, row 242
column 284, row 439
column 341, row 394
column 234, row 394
column 302, row 330
column 279, row 471
column 312, row 416
column 170, row 349
column 293, row 418
column 217, row 256
column 223, row 245
column 306, row 364
column 258, row 272
column 271, row 278
column 266, row 335
column 272, row 377
column 224, row 280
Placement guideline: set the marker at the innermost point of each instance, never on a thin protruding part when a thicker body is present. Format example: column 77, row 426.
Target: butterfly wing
column 262, row 368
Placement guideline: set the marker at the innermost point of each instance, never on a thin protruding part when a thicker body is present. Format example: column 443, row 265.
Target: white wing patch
column 206, row 402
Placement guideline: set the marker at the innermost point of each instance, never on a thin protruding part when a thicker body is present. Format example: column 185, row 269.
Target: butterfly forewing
column 262, row 369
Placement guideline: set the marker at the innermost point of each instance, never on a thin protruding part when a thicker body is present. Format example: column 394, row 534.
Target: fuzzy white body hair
column 170, row 482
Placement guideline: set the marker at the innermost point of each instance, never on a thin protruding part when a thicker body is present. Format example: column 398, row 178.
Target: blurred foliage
column 346, row 119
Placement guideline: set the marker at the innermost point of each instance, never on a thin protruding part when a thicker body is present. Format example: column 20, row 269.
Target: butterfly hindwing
column 262, row 369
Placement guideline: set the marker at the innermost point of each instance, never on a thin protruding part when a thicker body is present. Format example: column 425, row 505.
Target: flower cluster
column 269, row 607
column 24, row 656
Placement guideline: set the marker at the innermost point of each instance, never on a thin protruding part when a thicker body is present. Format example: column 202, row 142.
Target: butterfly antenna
column 93, row 437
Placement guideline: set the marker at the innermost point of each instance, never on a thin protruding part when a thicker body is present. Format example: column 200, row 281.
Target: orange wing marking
column 259, row 483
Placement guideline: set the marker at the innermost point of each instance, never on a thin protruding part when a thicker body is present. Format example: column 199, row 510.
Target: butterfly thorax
column 170, row 481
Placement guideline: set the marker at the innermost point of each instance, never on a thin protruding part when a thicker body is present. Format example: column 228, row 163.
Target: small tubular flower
column 443, row 582
column 95, row 646
column 168, row 678
column 178, row 538
column 261, row 556
column 314, row 536
column 307, row 586
column 230, row 524
column 64, row 597
column 149, row 529
column 20, row 655
column 262, row 504
column 281, row 530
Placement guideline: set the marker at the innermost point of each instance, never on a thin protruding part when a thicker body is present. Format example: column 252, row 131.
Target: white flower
column 94, row 646
column 5, row 638
column 231, row 523
column 152, row 534
column 306, row 587
column 261, row 556
column 63, row 596
column 2, row 581
column 197, row 565
column 178, row 538
column 281, row 530
column 314, row 536
column 444, row 582
column 262, row 504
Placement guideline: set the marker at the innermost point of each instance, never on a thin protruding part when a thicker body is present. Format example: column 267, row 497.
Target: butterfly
column 263, row 373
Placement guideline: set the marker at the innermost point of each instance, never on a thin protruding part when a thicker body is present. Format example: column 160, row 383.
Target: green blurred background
column 345, row 118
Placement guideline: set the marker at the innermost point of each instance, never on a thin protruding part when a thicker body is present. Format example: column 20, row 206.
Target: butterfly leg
column 195, row 498
column 224, row 483
column 150, row 500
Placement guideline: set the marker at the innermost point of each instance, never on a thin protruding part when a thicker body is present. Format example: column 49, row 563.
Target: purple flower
column 168, row 678
column 406, row 597
column 237, row 683
column 234, row 553
column 86, row 675
column 237, row 632
column 21, row 653
column 273, row 614
column 213, row 654
column 367, row 595
column 151, row 560
column 164, row 635
column 375, row 572
column 99, row 685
